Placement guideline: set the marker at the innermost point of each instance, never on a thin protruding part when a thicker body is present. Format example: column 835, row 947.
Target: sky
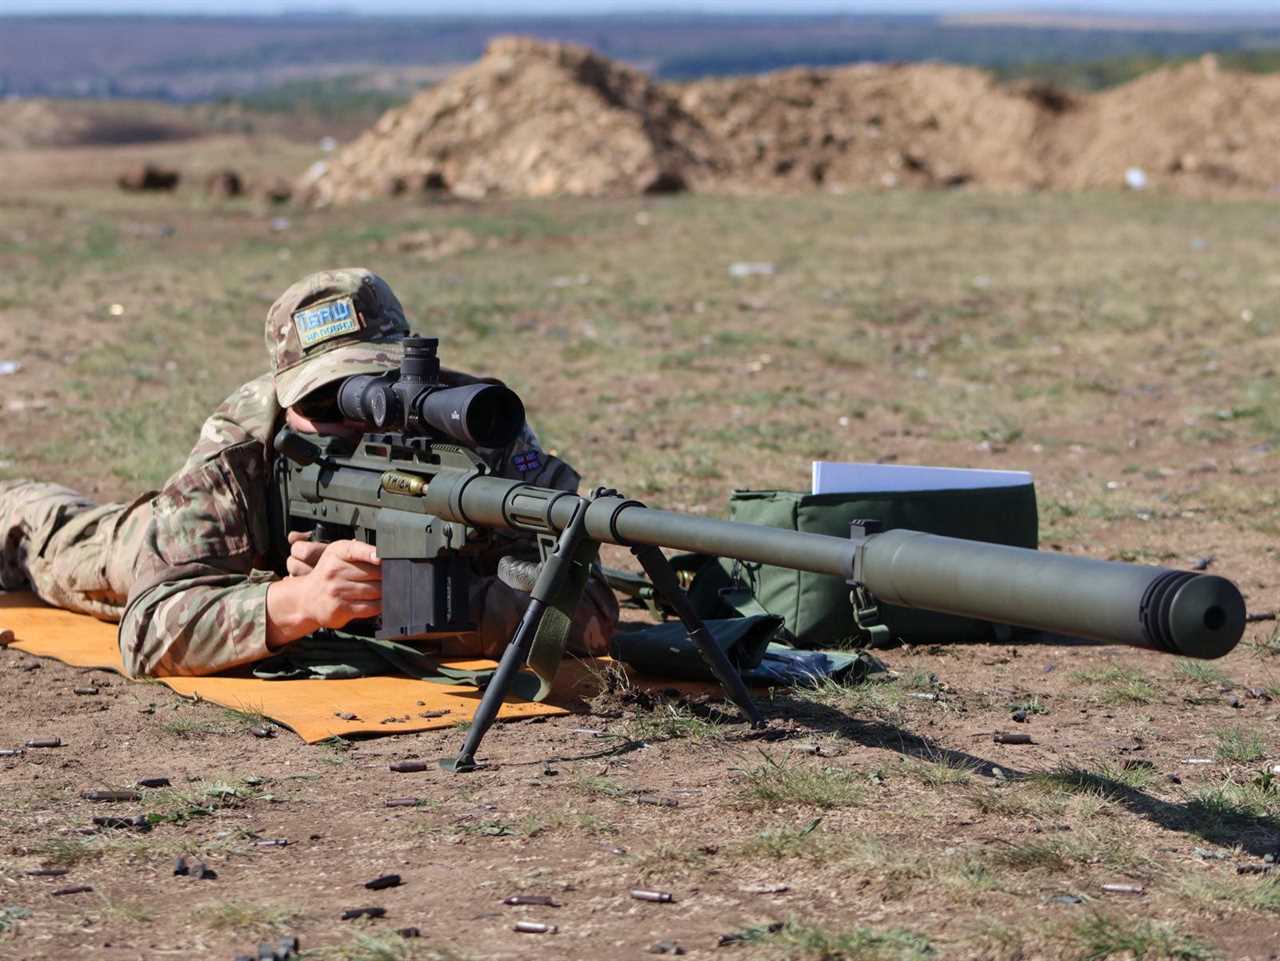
column 444, row 7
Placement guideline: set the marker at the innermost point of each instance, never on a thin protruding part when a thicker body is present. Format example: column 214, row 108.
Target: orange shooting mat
column 306, row 706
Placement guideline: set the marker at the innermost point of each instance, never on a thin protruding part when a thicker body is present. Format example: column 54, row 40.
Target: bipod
column 556, row 569
column 667, row 587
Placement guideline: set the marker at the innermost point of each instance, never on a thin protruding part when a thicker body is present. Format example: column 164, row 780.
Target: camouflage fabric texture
column 330, row 325
column 186, row 571
column 71, row 552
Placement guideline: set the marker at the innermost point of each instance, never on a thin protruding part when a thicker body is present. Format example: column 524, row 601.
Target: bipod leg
column 667, row 587
column 555, row 569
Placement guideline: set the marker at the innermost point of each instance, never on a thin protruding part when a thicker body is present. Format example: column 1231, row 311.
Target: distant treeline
column 275, row 62
column 1087, row 59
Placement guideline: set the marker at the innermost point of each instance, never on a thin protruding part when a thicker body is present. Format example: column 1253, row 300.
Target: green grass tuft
column 778, row 784
column 1099, row 938
column 1239, row 746
column 802, row 941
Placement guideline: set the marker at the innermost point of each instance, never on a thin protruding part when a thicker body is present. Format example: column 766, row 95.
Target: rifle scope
column 412, row 400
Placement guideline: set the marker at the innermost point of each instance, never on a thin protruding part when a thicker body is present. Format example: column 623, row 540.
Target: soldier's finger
column 306, row 551
column 355, row 551
column 357, row 571
column 298, row 568
column 295, row 536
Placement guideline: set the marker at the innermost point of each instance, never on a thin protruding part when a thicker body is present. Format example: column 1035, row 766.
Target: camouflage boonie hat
column 330, row 325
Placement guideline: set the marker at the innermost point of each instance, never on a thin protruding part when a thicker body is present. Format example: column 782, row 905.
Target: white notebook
column 835, row 477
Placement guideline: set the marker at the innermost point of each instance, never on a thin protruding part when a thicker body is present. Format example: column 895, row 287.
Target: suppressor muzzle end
column 1194, row 615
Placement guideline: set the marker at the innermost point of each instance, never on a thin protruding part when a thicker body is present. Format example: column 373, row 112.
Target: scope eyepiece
column 371, row 399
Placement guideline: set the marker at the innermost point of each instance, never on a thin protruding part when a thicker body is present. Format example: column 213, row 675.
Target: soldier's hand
column 344, row 584
column 304, row 553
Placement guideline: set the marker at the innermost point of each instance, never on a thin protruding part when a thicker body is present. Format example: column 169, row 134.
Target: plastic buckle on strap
column 866, row 614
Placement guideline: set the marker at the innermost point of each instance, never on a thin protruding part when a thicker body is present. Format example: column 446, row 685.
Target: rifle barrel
column 1178, row 612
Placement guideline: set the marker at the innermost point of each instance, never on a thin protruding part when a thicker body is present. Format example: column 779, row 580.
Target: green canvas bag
column 815, row 608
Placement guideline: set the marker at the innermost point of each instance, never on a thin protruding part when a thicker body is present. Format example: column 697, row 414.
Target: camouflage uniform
column 196, row 560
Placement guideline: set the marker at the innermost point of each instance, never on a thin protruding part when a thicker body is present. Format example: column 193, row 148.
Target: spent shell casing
column 1004, row 737
column 84, row 691
column 409, row 767
column 11, row 752
column 45, row 742
column 288, row 945
column 266, row 952
column 46, row 872
column 409, row 932
column 383, row 881
column 539, row 900
column 1123, row 888
column 350, row 914
column 535, row 927
column 659, row 897
column 153, row 782
column 111, row 795
column 262, row 731
column 271, row 842
column 181, row 868
column 401, row 802
column 138, row 822
column 74, row 889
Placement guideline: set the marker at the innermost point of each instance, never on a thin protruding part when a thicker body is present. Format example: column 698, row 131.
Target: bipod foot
column 462, row 764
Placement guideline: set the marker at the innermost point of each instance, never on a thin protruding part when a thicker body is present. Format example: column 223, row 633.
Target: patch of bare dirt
column 534, row 119
column 36, row 122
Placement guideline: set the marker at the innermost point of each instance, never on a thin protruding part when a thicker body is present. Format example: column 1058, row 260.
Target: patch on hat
column 326, row 321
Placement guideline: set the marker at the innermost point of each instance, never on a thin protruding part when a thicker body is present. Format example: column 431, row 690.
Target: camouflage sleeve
column 198, row 604
column 525, row 460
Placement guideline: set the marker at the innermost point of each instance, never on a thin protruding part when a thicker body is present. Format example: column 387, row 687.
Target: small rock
column 346, row 715
column 1019, row 716
column 85, row 691
column 666, row 947
column 153, row 782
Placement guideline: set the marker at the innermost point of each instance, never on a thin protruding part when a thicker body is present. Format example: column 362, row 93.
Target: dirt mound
column 870, row 124
column 1193, row 129
column 530, row 119
column 535, row 118
column 34, row 123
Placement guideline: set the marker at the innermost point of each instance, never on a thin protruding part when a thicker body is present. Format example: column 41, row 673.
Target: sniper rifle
column 416, row 487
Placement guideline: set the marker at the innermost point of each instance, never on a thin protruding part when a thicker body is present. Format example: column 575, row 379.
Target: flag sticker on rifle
column 324, row 322
column 527, row 461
